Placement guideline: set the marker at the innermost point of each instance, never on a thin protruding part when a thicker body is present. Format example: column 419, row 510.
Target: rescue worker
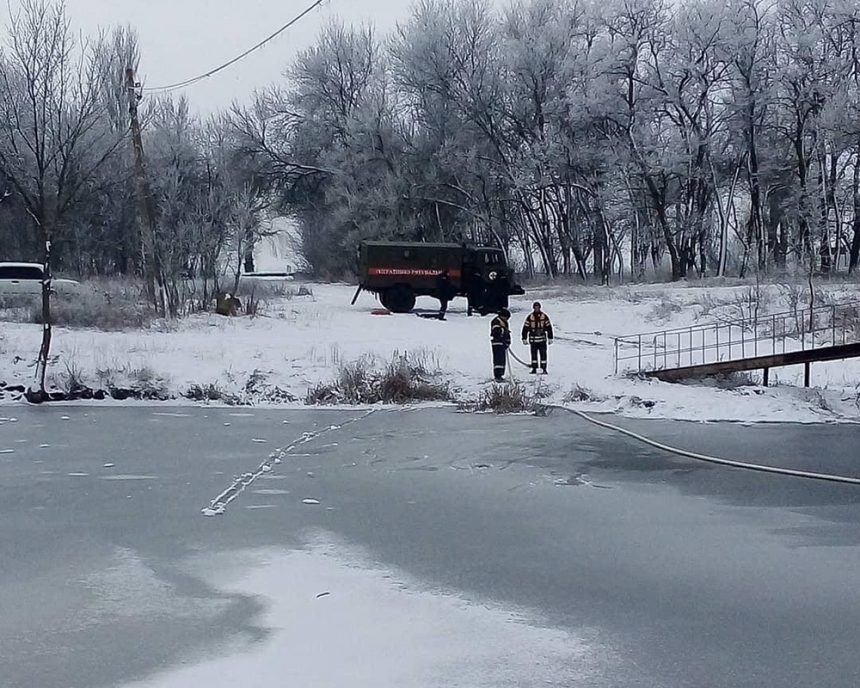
column 492, row 300
column 444, row 292
column 474, row 289
column 500, row 336
column 537, row 332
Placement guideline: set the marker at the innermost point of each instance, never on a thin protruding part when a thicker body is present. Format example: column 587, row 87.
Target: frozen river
column 419, row 548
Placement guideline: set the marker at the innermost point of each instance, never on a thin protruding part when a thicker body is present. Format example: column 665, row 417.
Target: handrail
column 738, row 339
column 795, row 314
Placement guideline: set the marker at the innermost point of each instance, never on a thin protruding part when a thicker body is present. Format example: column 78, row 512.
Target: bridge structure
column 797, row 337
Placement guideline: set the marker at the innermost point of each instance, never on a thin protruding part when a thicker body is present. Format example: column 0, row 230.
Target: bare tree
column 54, row 135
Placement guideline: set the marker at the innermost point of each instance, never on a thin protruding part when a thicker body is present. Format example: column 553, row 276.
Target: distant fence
column 729, row 340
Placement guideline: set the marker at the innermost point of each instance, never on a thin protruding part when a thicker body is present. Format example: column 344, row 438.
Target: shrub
column 253, row 304
column 257, row 389
column 579, row 393
column 147, row 385
column 403, row 382
column 404, row 379
column 72, row 379
column 510, row 397
column 322, row 394
column 207, row 392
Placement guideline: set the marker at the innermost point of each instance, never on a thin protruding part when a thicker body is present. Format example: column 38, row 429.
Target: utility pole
column 144, row 193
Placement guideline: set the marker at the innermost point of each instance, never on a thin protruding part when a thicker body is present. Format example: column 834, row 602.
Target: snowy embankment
column 300, row 342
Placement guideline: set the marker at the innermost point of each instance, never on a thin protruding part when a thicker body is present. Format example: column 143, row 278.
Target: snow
column 301, row 341
column 129, row 477
column 337, row 620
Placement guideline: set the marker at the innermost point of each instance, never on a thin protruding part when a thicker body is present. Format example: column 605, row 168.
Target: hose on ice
column 716, row 460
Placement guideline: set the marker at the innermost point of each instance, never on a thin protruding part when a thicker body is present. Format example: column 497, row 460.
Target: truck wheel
column 399, row 299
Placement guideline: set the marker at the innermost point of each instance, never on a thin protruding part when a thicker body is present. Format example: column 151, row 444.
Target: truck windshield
column 493, row 258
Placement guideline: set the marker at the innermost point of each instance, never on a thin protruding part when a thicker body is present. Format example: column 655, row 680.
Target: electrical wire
column 189, row 82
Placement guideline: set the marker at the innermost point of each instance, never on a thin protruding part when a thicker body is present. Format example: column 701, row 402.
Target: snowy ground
column 300, row 342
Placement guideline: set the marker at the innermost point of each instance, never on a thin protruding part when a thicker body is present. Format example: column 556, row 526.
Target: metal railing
column 728, row 340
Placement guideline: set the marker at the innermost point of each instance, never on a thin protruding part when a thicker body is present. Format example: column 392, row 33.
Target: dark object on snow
column 500, row 338
column 431, row 316
column 400, row 272
column 35, row 396
column 227, row 304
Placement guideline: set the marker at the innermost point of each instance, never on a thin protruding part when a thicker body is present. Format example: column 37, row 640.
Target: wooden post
column 806, row 373
column 766, row 376
column 144, row 193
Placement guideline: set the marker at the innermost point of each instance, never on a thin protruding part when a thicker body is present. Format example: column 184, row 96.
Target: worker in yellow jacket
column 537, row 333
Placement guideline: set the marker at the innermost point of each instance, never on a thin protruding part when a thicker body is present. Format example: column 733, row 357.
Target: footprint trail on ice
column 218, row 506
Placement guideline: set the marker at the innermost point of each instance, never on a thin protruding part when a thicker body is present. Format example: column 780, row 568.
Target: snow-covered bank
column 301, row 341
column 336, row 621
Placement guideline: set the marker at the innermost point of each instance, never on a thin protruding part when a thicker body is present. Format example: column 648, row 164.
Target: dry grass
column 102, row 304
column 257, row 297
column 135, row 383
column 206, row 392
column 578, row 394
column 403, row 380
column 511, row 397
column 728, row 381
column 120, row 304
column 665, row 309
column 257, row 389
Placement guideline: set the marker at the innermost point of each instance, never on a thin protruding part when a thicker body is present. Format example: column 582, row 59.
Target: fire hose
column 730, row 463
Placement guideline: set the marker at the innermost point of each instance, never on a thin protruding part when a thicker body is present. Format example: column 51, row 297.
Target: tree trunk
column 755, row 226
column 45, row 349
column 824, row 215
column 804, row 237
column 854, row 253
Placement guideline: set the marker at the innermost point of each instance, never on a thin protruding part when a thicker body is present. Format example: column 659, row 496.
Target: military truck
column 400, row 272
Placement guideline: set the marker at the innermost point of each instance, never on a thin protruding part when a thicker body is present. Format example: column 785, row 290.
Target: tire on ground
column 399, row 299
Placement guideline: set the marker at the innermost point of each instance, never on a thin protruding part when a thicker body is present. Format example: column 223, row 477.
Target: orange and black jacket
column 537, row 328
column 500, row 331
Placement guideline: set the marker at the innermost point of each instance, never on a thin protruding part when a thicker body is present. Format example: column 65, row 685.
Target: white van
column 26, row 278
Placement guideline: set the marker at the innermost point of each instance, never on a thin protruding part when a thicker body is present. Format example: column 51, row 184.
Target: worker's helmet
column 505, row 313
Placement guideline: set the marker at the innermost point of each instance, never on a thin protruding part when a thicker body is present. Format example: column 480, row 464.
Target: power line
column 269, row 39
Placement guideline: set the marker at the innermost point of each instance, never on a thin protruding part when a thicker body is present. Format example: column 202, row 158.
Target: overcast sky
column 183, row 38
